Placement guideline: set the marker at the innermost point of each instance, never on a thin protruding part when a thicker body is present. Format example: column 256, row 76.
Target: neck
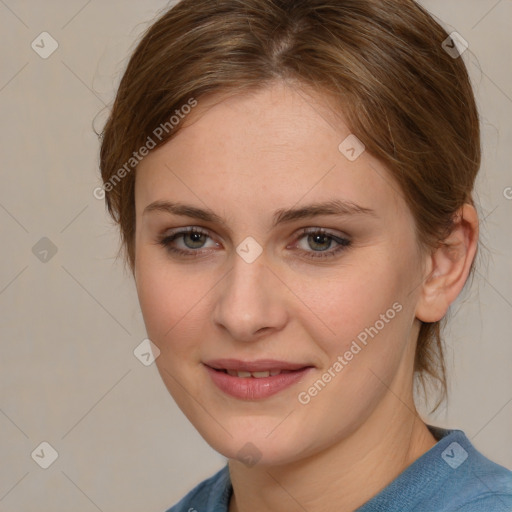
column 344, row 476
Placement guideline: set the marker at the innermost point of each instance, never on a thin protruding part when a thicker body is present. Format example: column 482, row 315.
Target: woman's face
column 250, row 290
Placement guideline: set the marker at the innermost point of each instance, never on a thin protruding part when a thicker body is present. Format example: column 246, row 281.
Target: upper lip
column 253, row 366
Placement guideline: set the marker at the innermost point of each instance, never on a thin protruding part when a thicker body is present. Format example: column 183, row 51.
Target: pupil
column 196, row 238
column 317, row 239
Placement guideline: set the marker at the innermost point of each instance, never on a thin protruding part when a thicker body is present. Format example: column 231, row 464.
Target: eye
column 321, row 242
column 192, row 238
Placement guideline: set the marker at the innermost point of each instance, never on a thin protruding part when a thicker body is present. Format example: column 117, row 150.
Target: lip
column 254, row 366
column 251, row 388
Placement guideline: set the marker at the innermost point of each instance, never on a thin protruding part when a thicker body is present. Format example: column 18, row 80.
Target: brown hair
column 406, row 98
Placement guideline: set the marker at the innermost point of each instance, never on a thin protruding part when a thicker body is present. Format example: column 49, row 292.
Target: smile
column 254, row 380
column 257, row 375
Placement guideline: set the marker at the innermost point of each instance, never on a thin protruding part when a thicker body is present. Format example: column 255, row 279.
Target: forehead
column 269, row 148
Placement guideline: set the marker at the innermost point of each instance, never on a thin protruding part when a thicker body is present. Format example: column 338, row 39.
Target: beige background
column 68, row 375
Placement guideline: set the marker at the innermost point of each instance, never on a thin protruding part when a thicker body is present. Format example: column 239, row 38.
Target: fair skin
column 244, row 158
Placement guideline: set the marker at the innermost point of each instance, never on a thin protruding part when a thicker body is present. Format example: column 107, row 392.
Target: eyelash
column 343, row 243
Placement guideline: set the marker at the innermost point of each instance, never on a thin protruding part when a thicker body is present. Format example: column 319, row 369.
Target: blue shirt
column 451, row 477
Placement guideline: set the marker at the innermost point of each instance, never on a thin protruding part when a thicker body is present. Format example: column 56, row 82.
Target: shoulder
column 474, row 482
column 211, row 494
column 478, row 483
column 453, row 476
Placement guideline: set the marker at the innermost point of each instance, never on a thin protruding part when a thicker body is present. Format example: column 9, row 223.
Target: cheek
column 352, row 300
column 368, row 326
column 153, row 298
column 162, row 295
column 172, row 302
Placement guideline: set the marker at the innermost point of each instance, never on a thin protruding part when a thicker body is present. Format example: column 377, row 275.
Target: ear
column 448, row 266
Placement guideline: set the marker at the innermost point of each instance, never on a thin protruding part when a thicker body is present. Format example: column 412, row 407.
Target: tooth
column 233, row 373
column 260, row 374
column 244, row 374
column 275, row 372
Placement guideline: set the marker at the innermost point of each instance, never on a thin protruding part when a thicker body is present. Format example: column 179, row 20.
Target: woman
column 293, row 183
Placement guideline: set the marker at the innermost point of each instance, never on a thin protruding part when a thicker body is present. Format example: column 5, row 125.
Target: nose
column 250, row 301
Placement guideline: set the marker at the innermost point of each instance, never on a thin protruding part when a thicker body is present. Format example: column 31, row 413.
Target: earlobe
column 449, row 266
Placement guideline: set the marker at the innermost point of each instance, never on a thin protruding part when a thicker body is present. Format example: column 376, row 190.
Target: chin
column 253, row 446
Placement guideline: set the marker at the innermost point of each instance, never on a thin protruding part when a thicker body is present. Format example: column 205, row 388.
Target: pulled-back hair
column 383, row 61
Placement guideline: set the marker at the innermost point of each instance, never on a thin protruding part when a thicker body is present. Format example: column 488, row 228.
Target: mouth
column 251, row 380
column 258, row 368
column 256, row 375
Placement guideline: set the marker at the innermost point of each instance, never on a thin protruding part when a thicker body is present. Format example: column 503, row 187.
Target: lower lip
column 252, row 388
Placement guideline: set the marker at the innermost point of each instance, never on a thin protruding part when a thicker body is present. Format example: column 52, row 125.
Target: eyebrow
column 335, row 207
